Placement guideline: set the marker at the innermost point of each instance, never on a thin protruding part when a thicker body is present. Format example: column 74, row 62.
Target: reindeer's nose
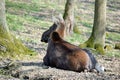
column 41, row 40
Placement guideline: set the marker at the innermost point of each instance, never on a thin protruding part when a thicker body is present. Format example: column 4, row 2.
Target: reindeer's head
column 46, row 34
column 58, row 26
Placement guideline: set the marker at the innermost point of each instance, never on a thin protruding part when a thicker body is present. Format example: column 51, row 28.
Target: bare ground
column 35, row 70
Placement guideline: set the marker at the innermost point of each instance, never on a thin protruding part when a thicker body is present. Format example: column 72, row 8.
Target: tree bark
column 3, row 25
column 69, row 17
column 97, row 38
column 9, row 45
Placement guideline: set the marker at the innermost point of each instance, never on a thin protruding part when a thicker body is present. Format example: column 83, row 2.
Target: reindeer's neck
column 60, row 29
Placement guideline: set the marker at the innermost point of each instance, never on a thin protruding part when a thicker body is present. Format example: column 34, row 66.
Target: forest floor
column 35, row 21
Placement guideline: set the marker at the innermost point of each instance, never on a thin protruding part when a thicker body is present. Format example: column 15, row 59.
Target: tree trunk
column 3, row 25
column 9, row 45
column 69, row 17
column 97, row 38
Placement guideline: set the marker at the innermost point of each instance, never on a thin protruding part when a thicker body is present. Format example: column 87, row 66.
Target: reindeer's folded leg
column 46, row 61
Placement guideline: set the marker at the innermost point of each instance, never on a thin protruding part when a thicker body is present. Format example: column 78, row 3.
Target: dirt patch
column 35, row 70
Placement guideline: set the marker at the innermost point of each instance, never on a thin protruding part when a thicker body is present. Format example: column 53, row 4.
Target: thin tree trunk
column 69, row 17
column 3, row 25
column 97, row 38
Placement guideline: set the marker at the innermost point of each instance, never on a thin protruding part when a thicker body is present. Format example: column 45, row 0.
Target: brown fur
column 60, row 29
column 63, row 55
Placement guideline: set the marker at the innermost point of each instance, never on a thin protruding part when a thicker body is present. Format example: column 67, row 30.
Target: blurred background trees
column 68, row 16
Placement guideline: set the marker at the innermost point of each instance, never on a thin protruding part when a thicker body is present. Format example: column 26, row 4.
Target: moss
column 82, row 45
column 12, row 47
column 91, row 44
column 100, row 48
column 108, row 47
column 88, row 43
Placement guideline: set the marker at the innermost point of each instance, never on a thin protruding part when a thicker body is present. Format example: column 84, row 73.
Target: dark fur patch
column 63, row 55
column 55, row 36
column 46, row 34
column 92, row 58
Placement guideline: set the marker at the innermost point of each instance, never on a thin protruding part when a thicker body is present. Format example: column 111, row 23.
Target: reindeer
column 46, row 34
column 64, row 55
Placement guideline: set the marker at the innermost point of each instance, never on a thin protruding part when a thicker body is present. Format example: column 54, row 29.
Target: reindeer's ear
column 60, row 17
column 55, row 36
column 55, row 20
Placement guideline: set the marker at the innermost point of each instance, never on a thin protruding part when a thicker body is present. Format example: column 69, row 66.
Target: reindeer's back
column 70, row 57
column 64, row 55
